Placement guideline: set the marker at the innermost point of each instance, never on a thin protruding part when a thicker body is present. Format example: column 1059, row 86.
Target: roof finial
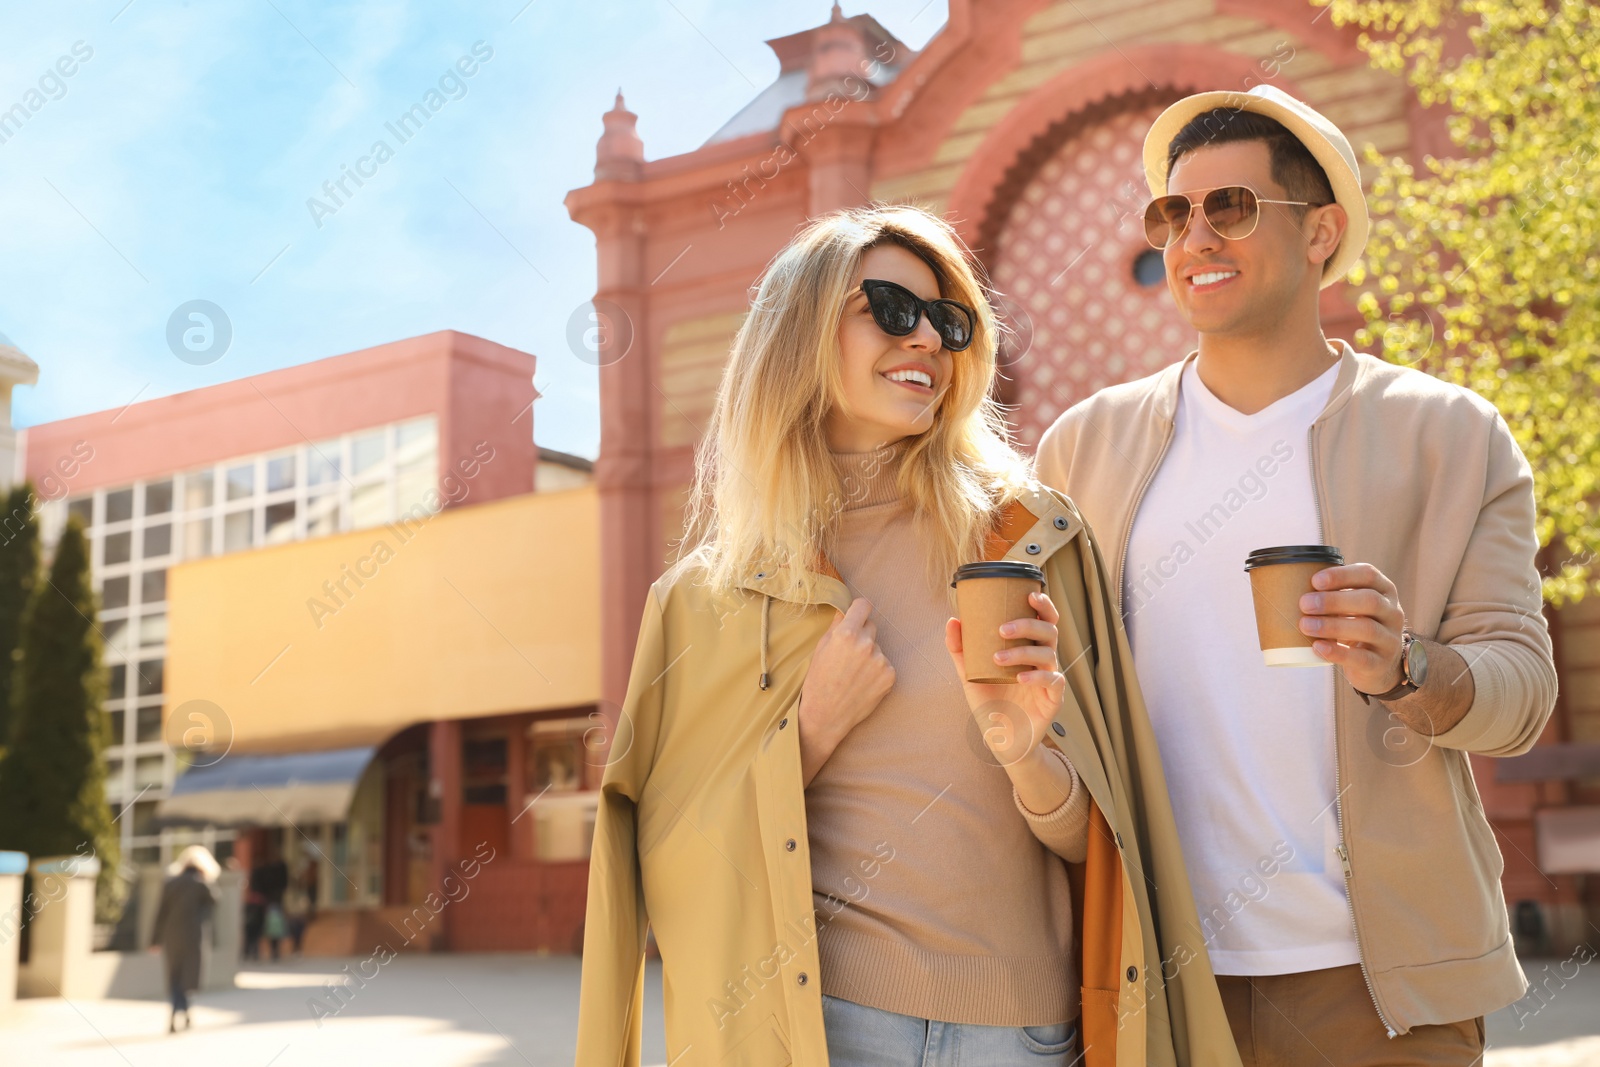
column 620, row 152
column 837, row 15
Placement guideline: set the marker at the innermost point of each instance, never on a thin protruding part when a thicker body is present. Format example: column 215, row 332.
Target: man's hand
column 1355, row 618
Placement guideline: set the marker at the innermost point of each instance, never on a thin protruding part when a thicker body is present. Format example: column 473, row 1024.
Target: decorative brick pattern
column 1066, row 257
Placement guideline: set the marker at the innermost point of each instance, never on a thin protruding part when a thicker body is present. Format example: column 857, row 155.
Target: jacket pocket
column 765, row 1047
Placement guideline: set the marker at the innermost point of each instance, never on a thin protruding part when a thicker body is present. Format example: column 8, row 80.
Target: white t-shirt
column 1248, row 749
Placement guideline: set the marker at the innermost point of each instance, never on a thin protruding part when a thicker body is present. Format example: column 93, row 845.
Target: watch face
column 1417, row 663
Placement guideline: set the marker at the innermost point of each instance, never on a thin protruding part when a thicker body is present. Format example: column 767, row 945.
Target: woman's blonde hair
column 767, row 493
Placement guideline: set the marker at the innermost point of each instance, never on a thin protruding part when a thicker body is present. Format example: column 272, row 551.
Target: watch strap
column 1406, row 686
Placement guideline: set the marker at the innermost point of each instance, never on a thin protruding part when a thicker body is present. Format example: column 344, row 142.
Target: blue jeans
column 859, row 1036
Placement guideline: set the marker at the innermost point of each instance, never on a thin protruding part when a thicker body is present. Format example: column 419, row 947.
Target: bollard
column 61, row 940
column 227, row 932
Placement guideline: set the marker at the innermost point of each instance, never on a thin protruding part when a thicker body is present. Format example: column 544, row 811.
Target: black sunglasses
column 896, row 310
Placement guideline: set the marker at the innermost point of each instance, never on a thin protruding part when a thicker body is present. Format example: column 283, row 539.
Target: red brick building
column 1021, row 121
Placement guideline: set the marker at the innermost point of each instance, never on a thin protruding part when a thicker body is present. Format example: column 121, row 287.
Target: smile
column 1211, row 277
column 917, row 378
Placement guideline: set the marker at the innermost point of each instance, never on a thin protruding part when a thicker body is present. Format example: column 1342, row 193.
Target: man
column 1348, row 883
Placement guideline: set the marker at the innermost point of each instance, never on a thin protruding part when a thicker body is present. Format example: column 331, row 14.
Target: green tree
column 19, row 572
column 53, row 778
column 1482, row 266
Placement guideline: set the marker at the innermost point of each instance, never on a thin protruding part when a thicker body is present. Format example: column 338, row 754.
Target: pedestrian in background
column 186, row 904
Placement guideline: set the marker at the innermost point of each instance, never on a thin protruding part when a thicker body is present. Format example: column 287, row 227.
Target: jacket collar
column 1169, row 380
column 1031, row 529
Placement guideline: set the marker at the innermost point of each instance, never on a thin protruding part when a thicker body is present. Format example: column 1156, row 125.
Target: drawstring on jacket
column 766, row 622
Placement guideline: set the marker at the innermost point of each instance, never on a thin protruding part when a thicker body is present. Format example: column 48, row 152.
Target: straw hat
column 1320, row 136
column 200, row 858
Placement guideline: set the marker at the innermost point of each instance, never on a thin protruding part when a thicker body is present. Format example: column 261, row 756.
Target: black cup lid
column 999, row 568
column 1266, row 557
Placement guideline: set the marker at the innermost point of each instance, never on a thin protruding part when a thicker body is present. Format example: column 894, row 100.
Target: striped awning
column 291, row 789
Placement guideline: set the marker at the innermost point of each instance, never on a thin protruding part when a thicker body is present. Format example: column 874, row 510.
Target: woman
column 847, row 854
column 186, row 903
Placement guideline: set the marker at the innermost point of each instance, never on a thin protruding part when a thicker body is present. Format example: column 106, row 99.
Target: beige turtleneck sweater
column 937, row 893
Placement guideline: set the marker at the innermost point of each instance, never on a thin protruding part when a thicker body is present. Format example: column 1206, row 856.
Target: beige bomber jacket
column 1423, row 480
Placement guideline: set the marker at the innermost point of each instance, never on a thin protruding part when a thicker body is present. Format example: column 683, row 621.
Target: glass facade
column 365, row 478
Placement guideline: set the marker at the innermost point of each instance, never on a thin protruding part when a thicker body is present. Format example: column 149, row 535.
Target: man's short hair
column 1293, row 165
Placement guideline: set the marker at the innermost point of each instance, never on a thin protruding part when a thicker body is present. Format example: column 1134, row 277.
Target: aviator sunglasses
column 1232, row 212
column 896, row 310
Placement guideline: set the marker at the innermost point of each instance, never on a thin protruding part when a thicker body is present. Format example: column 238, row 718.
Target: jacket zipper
column 1338, row 791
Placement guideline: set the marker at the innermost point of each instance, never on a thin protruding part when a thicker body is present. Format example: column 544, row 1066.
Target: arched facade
column 1020, row 122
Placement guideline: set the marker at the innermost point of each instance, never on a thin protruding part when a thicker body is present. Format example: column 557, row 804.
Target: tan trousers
column 1327, row 1019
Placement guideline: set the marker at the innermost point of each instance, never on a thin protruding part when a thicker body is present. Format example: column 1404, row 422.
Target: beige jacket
column 701, row 830
column 1423, row 480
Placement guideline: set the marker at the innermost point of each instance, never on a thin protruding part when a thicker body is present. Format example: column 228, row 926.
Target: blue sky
column 176, row 160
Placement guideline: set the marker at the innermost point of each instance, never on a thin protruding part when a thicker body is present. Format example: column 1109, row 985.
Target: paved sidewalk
column 1556, row 1023
column 431, row 1011
column 521, row 1010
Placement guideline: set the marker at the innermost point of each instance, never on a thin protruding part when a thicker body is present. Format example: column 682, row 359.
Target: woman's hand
column 1013, row 718
column 848, row 677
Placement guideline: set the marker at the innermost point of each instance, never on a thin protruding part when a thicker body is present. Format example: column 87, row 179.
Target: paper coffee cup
column 1279, row 577
column 988, row 594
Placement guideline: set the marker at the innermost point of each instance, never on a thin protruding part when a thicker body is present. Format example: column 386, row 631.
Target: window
column 416, row 464
column 151, row 676
column 241, row 481
column 197, row 538
column 115, row 734
column 322, row 463
column 280, row 522
column 367, row 452
column 143, row 816
column 153, row 630
column 415, row 439
column 369, row 505
column 119, row 505
column 114, row 594
column 411, row 489
column 158, row 498
column 118, row 548
column 153, row 586
column 117, row 682
column 197, row 490
column 555, row 755
column 322, row 514
column 237, row 531
column 116, row 635
column 483, row 770
column 149, row 724
column 1149, row 269
column 83, row 508
column 158, row 540
column 280, row 473
column 148, row 770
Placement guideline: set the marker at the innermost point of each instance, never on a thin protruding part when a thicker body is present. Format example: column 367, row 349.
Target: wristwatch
column 1413, row 670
